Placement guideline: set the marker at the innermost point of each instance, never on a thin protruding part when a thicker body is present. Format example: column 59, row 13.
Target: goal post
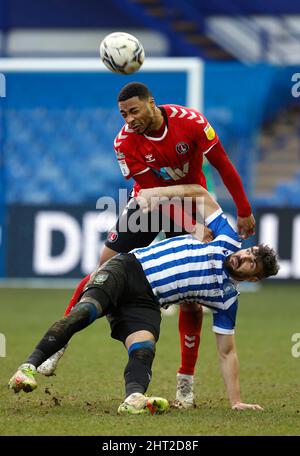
column 192, row 67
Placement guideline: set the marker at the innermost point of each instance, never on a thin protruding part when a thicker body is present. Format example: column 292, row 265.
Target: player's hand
column 202, row 233
column 147, row 199
column 242, row 406
column 246, row 226
column 207, row 235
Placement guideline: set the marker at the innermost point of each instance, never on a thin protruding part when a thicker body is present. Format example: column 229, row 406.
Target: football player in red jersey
column 164, row 146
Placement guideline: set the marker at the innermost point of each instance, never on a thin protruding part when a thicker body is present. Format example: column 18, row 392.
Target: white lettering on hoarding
column 269, row 234
column 93, row 224
column 46, row 223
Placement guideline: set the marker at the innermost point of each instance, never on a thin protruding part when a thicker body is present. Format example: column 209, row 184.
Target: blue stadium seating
column 46, row 163
column 288, row 193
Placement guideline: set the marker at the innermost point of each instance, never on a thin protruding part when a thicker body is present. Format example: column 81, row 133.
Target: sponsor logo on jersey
column 168, row 173
column 112, row 236
column 209, row 132
column 149, row 158
column 182, row 147
column 124, row 168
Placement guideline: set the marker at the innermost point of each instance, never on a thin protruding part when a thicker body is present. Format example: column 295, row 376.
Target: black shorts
column 122, row 239
column 124, row 289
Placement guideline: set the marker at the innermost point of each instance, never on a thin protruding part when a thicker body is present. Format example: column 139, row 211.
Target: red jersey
column 175, row 157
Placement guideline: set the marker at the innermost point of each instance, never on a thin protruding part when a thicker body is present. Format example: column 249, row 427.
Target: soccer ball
column 122, row 53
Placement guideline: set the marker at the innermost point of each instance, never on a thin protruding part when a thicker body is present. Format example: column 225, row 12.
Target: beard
column 228, row 265
column 232, row 272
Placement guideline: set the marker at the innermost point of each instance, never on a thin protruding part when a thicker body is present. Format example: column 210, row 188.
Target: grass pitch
column 82, row 399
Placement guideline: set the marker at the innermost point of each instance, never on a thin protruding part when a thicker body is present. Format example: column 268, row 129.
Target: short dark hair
column 269, row 260
column 134, row 89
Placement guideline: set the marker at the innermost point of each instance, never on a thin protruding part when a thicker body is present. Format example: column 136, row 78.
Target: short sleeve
column 128, row 165
column 222, row 230
column 224, row 320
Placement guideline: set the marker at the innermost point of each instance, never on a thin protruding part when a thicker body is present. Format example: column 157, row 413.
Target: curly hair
column 134, row 89
column 269, row 260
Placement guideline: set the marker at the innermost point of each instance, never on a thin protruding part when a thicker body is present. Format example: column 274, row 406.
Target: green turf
column 84, row 396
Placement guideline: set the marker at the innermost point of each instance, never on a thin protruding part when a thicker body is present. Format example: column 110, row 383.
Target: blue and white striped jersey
column 185, row 269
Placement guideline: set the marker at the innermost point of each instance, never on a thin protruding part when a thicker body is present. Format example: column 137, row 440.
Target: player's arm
column 220, row 160
column 230, row 371
column 206, row 204
column 168, row 196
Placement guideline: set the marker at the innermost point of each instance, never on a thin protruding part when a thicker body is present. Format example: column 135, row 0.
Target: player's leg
column 103, row 290
column 137, row 375
column 57, row 336
column 190, row 324
column 77, row 293
column 49, row 366
column 135, row 321
column 119, row 240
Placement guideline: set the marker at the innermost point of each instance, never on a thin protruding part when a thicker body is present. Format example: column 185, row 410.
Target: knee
column 94, row 298
column 83, row 313
column 143, row 351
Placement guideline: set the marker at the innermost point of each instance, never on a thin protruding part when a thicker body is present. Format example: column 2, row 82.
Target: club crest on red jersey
column 149, row 158
column 182, row 147
column 112, row 236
